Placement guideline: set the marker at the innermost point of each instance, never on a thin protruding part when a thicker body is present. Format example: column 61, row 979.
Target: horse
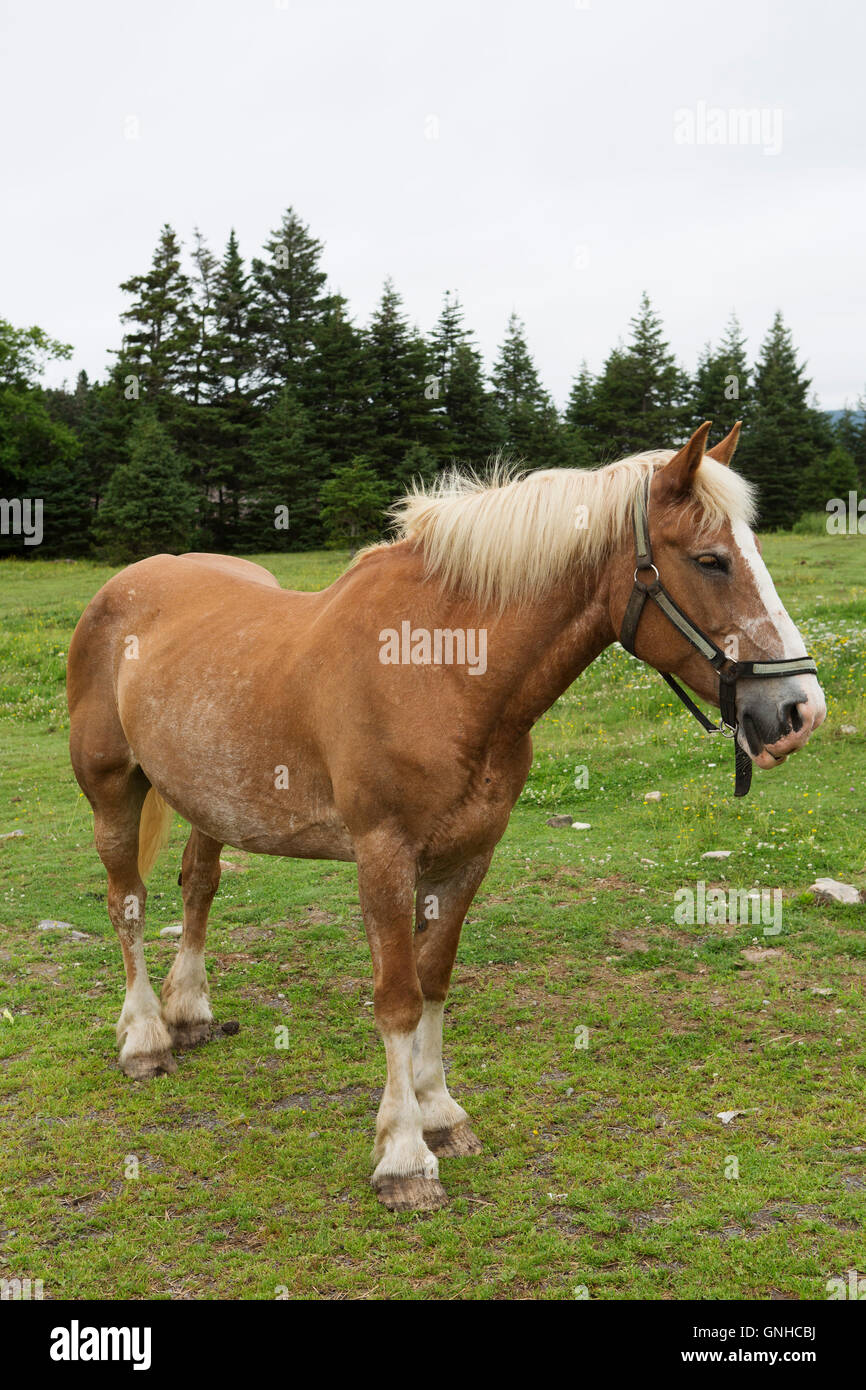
column 360, row 723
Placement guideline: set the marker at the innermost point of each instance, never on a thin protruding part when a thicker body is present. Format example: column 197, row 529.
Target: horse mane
column 508, row 537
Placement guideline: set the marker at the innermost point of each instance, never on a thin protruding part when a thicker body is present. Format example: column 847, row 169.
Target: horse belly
column 241, row 784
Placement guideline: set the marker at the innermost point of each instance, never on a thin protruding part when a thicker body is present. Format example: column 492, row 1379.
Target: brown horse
column 387, row 720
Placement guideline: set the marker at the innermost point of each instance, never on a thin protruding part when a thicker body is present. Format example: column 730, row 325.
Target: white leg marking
column 185, row 992
column 400, row 1150
column 439, row 1110
column 141, row 1031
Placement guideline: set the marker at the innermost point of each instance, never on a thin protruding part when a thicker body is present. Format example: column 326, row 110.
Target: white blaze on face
column 790, row 643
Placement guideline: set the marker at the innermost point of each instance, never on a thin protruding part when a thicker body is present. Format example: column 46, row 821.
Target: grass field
column 606, row 1169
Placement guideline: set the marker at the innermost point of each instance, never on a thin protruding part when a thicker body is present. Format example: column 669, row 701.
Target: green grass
column 604, row 1166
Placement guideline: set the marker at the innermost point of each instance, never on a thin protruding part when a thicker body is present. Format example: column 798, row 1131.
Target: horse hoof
column 457, row 1142
column 143, row 1066
column 411, row 1194
column 185, row 1035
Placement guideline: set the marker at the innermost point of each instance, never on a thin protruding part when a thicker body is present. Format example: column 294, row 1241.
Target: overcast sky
column 546, row 156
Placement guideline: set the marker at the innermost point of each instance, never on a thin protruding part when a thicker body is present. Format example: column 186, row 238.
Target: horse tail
column 153, row 830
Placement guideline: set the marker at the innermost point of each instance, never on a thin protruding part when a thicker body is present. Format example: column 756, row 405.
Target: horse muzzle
column 778, row 717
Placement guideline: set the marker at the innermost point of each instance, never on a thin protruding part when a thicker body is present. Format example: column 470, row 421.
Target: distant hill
column 834, row 416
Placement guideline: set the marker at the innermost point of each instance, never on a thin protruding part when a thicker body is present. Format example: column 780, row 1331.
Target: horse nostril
column 791, row 715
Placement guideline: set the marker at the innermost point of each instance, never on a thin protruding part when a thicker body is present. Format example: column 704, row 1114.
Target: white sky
column 555, row 187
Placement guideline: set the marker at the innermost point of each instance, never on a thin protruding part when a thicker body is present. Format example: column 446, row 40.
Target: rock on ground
column 49, row 924
column 830, row 890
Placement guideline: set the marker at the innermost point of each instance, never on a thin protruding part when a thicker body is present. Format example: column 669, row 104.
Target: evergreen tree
column 205, row 381
column 528, row 420
column 279, row 504
column 233, row 302
column 100, row 418
column 353, row 502
column 834, row 475
column 578, row 420
column 235, row 415
column 418, row 464
column 336, row 387
column 638, row 402
column 150, row 505
column 850, row 432
column 787, row 436
column 405, row 391
column 159, row 346
column 289, row 303
column 721, row 390
column 470, row 430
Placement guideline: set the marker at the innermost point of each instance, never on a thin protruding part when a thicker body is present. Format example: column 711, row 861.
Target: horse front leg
column 185, row 996
column 441, row 908
column 406, row 1176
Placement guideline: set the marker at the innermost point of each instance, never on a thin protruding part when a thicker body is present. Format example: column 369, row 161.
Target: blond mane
column 510, row 537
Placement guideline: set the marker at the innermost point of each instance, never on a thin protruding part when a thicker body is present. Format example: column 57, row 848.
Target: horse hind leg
column 185, row 997
column 441, row 908
column 117, row 798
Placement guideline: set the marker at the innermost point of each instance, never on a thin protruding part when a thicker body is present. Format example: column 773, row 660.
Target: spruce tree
column 279, row 507
column 787, row 437
column 833, row 475
column 233, row 302
column 149, row 505
column 471, row 432
column 850, row 432
column 353, row 503
column 577, row 420
column 528, row 420
column 721, row 390
column 289, row 303
column 336, row 387
column 639, row 402
column 159, row 345
column 405, row 390
column 205, row 376
column 235, row 414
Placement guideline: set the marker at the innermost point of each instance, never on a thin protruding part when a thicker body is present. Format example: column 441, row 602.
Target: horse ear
column 723, row 452
column 680, row 472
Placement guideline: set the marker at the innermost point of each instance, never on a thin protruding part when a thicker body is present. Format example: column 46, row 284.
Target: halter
column 729, row 671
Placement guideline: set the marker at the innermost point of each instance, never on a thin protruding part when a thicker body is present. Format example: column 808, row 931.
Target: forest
column 246, row 410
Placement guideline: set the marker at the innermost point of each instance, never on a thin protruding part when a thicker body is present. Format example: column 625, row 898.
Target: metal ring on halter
column 726, row 730
column 646, row 567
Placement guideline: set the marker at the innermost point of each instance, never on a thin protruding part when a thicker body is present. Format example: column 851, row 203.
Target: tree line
column 247, row 411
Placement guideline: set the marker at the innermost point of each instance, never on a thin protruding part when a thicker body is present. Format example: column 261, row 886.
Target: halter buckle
column 646, row 587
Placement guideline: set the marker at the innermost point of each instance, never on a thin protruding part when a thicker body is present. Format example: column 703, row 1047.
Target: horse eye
column 711, row 562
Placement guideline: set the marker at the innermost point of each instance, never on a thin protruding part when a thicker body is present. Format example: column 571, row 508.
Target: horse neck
column 548, row 643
